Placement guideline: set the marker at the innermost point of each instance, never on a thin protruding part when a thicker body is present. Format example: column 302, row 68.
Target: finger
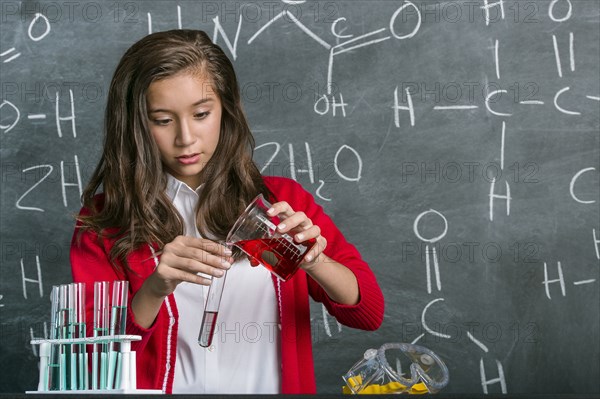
column 298, row 221
column 281, row 209
column 197, row 279
column 193, row 260
column 307, row 234
column 289, row 219
column 207, row 245
column 190, row 247
column 226, row 250
column 188, row 264
column 179, row 275
column 317, row 249
column 204, row 258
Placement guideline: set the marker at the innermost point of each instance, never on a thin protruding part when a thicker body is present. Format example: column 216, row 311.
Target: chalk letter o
column 8, row 128
column 43, row 35
column 340, row 174
column 551, row 11
column 434, row 239
column 393, row 19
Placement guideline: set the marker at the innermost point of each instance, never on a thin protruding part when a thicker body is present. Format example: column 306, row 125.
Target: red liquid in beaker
column 277, row 254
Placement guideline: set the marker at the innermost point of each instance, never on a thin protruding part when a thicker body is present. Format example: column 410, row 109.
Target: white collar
column 176, row 187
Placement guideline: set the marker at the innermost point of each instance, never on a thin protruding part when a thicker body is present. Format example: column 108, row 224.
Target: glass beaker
column 255, row 233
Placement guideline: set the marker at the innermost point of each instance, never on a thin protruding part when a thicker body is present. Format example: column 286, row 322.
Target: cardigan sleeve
column 367, row 314
column 90, row 263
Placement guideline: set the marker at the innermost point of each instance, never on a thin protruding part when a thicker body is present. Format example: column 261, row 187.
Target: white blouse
column 244, row 356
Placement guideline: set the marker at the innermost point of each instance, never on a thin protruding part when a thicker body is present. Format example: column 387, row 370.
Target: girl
column 176, row 171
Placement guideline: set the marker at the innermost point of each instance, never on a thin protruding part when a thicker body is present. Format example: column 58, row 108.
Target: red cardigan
column 157, row 350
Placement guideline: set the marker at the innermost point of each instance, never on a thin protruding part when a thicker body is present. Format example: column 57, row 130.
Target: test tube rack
column 126, row 383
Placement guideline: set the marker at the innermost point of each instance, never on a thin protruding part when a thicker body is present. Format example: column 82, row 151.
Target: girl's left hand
column 302, row 229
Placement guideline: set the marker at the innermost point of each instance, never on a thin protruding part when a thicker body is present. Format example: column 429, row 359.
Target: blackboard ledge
column 38, row 395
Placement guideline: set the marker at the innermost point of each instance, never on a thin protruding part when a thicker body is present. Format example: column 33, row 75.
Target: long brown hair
column 135, row 207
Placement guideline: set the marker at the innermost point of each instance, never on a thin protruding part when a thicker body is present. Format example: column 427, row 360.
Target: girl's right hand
column 183, row 258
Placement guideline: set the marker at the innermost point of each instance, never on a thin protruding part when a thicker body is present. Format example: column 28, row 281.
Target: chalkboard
column 456, row 143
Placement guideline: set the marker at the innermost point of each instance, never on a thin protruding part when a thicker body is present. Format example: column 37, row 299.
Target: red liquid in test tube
column 211, row 310
column 207, row 330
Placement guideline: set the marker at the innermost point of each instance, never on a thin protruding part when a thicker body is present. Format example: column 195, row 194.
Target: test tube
column 73, row 296
column 54, row 361
column 117, row 327
column 211, row 309
column 100, row 351
column 64, row 328
column 119, row 307
column 80, row 317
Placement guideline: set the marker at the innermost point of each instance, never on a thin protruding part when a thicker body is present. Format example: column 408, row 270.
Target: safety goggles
column 397, row 368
